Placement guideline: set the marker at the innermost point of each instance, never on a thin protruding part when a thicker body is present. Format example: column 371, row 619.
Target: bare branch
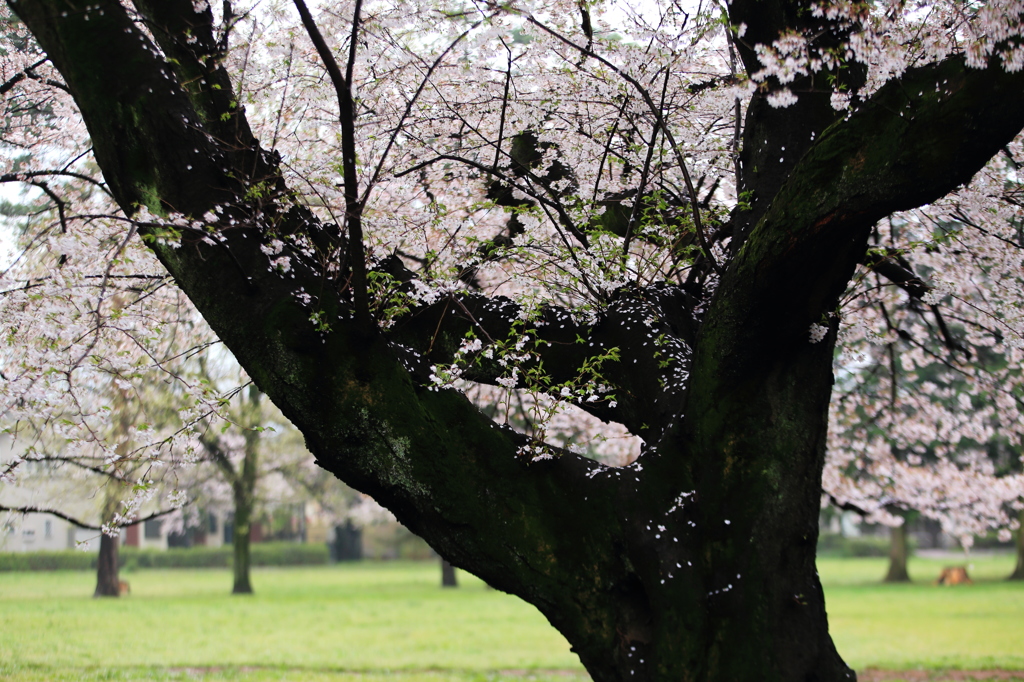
column 347, row 118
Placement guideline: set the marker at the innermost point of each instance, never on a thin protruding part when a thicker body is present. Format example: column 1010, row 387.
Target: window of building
column 48, row 529
column 152, row 529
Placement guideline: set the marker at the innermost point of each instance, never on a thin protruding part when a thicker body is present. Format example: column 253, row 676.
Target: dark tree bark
column 108, row 581
column 448, row 578
column 1018, row 571
column 898, row 553
column 698, row 562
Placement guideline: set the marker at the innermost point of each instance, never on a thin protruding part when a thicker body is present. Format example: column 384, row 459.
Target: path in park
column 875, row 675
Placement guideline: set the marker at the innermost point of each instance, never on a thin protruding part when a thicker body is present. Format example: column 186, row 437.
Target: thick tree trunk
column 108, row 582
column 448, row 578
column 898, row 555
column 1018, row 571
column 695, row 563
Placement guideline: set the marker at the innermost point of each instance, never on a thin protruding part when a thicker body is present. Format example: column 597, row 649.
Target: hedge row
column 835, row 545
column 262, row 554
column 47, row 561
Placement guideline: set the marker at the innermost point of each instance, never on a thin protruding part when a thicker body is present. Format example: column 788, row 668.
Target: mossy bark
column 697, row 562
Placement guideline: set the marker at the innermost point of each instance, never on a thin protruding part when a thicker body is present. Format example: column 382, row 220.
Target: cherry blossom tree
column 95, row 333
column 653, row 215
column 257, row 456
column 927, row 418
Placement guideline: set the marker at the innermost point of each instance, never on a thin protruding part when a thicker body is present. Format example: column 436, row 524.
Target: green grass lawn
column 921, row 625
column 371, row 621
column 365, row 617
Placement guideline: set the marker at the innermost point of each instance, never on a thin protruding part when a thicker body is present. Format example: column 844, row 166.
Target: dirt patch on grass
column 875, row 675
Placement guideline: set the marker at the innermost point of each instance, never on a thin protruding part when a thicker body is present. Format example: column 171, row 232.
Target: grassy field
column 922, row 625
column 371, row 622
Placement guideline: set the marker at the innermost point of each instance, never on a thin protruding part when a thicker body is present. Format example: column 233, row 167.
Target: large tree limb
column 914, row 141
column 775, row 139
column 429, row 456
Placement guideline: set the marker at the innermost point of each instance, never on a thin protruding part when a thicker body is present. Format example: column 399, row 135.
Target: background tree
column 241, row 476
column 698, row 198
column 926, row 418
column 96, row 337
column 252, row 449
column 1018, row 571
column 70, row 486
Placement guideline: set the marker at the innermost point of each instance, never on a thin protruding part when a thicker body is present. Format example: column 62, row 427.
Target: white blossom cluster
column 88, row 318
column 929, row 420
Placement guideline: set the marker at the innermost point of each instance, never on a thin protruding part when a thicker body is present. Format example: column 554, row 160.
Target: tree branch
column 347, row 119
column 76, row 521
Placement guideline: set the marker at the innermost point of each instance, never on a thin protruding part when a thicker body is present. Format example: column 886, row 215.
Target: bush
column 289, row 554
column 131, row 558
column 176, row 557
column 839, row 546
column 68, row 560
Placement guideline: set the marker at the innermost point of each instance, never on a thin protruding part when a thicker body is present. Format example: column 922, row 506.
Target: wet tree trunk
column 448, row 578
column 1018, row 571
column 898, row 555
column 695, row 563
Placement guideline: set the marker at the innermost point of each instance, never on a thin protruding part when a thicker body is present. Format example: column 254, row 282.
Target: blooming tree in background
column 666, row 218
column 926, row 415
column 98, row 340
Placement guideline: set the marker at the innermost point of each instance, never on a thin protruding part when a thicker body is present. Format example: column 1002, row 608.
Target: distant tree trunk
column 898, row 555
column 244, row 488
column 448, row 578
column 1018, row 572
column 107, row 578
column 348, row 542
column 243, row 525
